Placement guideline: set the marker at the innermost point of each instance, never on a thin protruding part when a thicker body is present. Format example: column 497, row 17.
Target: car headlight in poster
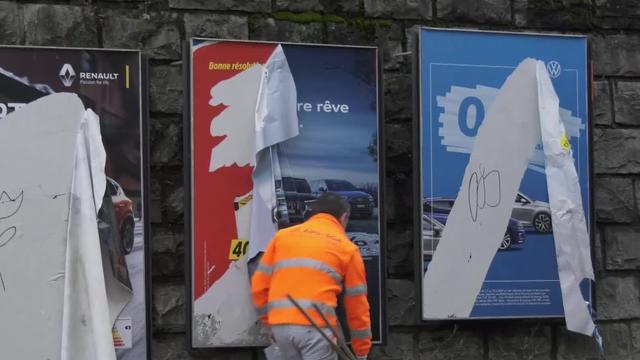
column 461, row 77
column 238, row 89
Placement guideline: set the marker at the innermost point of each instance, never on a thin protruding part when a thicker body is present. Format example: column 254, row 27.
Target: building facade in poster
column 323, row 100
column 460, row 75
column 109, row 83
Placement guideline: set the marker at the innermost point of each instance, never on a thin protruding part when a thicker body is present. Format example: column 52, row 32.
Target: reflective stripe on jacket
column 311, row 262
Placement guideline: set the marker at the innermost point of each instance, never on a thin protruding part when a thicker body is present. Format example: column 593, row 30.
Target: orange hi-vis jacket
column 311, row 261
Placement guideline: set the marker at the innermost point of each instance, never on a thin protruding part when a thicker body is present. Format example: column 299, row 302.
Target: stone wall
column 158, row 27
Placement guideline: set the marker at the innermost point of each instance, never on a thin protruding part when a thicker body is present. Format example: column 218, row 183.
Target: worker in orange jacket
column 311, row 262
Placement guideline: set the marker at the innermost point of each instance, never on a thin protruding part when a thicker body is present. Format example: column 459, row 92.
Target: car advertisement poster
column 460, row 75
column 109, row 83
column 333, row 91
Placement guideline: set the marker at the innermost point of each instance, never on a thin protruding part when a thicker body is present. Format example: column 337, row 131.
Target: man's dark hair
column 330, row 203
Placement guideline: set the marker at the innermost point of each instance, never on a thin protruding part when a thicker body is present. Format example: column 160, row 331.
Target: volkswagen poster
column 461, row 73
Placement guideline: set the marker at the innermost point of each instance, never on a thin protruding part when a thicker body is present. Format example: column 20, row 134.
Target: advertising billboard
column 330, row 143
column 461, row 73
column 109, row 82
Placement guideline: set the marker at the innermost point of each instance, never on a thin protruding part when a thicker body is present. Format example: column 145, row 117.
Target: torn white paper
column 527, row 105
column 53, row 287
column 92, row 300
column 481, row 212
column 37, row 148
column 573, row 250
column 276, row 120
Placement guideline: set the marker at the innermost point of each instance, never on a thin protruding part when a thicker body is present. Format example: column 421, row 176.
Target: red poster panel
column 331, row 92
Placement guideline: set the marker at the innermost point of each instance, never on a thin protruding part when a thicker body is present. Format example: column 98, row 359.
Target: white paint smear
column 236, row 122
column 456, row 141
column 481, row 212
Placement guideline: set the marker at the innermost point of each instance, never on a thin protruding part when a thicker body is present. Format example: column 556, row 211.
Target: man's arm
column 357, row 306
column 261, row 281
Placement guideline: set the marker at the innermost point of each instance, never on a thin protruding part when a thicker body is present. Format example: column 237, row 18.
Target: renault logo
column 554, row 69
column 67, row 75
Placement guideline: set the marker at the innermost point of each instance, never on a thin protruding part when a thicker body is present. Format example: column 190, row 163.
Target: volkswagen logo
column 554, row 69
column 67, row 75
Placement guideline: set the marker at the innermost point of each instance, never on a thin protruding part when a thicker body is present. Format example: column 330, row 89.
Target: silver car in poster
column 534, row 213
column 431, row 234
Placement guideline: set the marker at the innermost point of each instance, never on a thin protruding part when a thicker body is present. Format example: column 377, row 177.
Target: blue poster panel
column 460, row 74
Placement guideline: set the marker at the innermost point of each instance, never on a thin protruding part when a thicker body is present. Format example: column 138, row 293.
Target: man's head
column 332, row 204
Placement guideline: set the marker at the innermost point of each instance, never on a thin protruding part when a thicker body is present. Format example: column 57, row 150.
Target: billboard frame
column 145, row 167
column 418, row 119
column 187, row 72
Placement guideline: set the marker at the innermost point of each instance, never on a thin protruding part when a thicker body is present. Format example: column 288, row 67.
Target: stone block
column 618, row 297
column 561, row 14
column 616, row 54
column 222, row 5
column 10, row 25
column 174, row 347
column 399, row 9
column 166, row 241
column 622, row 248
column 626, row 97
column 602, row 105
column 398, row 139
column 476, row 11
column 450, row 345
column 616, row 151
column 60, row 25
column 635, row 338
column 398, row 96
column 165, row 89
column 400, row 346
column 174, row 209
column 332, row 7
column 167, row 264
column 166, row 142
column 388, row 36
column 155, row 33
column 617, row 8
column 400, row 254
column 277, row 30
column 598, row 253
column 614, row 200
column 573, row 346
column 168, row 307
column 533, row 343
column 216, row 26
column 399, row 201
column 617, row 340
column 402, row 308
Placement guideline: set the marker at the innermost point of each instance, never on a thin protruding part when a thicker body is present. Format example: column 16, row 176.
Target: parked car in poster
column 439, row 209
column 533, row 213
column 362, row 204
column 296, row 192
column 431, row 234
column 123, row 207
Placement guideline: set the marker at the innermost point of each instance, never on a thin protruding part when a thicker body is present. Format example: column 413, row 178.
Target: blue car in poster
column 439, row 209
column 362, row 204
